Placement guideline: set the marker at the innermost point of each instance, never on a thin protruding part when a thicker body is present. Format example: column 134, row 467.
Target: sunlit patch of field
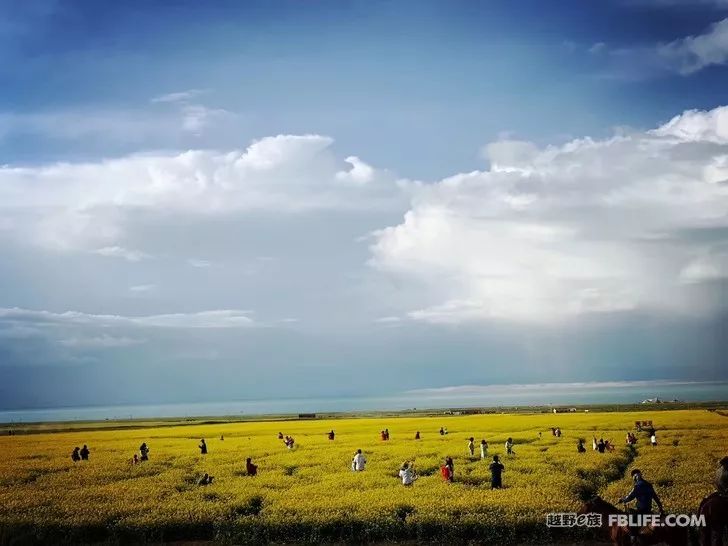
column 311, row 494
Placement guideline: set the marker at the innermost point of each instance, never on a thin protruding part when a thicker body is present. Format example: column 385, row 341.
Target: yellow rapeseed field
column 311, row 494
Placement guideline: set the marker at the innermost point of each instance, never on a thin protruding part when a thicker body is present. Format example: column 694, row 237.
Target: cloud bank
column 638, row 221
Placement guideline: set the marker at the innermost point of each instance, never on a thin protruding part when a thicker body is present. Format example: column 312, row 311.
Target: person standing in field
column 407, row 473
column 75, row 457
column 653, row 439
column 386, row 433
column 250, row 468
column 445, row 473
column 594, row 443
column 601, row 446
column 331, row 434
column 417, row 435
column 471, row 446
column 203, row 447
column 483, row 449
column 144, row 452
column 358, row 462
column 714, row 508
column 644, row 494
column 509, row 447
column 451, row 468
column 496, row 471
column 84, row 453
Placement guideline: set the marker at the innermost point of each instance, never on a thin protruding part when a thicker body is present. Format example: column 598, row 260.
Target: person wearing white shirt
column 653, row 439
column 407, row 474
column 358, row 462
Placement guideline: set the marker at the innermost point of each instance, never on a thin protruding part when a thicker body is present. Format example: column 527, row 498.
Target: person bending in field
column 144, row 452
column 417, row 435
column 580, row 446
column 203, row 447
column 358, row 463
column 601, row 446
column 75, row 457
column 442, row 431
column 206, row 480
column 331, row 434
column 644, row 494
column 653, row 439
column 250, row 468
column 407, row 473
column 84, row 453
column 289, row 442
column 509, row 447
column 483, row 449
column 280, row 436
column 496, row 473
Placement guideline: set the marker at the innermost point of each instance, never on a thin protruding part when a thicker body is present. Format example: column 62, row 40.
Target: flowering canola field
column 310, row 493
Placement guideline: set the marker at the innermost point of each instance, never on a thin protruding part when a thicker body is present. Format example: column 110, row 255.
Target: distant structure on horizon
column 656, row 400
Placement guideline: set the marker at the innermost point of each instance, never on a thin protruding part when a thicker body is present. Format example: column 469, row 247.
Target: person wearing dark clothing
column 644, row 494
column 386, row 433
column 144, row 452
column 75, row 457
column 84, row 453
column 206, row 480
column 496, row 471
column 714, row 508
column 280, row 436
column 250, row 468
column 601, row 446
column 442, row 431
column 580, row 447
column 203, row 447
column 331, row 435
column 417, row 435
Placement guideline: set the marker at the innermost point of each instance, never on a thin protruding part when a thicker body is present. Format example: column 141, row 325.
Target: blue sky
column 219, row 191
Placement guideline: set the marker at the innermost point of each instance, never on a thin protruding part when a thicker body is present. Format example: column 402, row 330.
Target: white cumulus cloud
column 592, row 226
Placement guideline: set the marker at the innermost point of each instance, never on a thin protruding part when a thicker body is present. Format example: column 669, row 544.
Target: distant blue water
column 462, row 396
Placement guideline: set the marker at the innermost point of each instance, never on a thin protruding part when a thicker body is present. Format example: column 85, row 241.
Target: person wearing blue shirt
column 644, row 494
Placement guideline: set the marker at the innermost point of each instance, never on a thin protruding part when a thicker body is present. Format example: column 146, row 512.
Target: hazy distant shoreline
column 523, row 396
